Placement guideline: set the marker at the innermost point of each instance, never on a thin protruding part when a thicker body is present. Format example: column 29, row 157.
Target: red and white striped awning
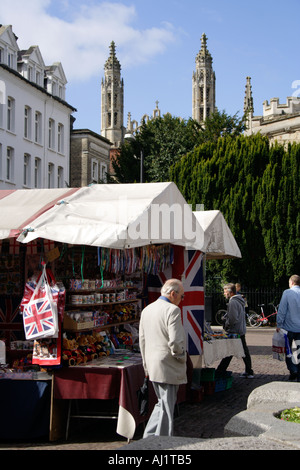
column 18, row 208
column 114, row 216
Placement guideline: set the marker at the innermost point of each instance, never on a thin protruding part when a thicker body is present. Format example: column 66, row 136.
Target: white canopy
column 220, row 243
column 19, row 207
column 117, row 216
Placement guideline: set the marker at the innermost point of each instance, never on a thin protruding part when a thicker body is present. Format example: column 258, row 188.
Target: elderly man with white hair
column 163, row 349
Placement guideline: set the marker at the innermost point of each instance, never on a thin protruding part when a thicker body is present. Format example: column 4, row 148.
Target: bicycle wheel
column 254, row 319
column 220, row 317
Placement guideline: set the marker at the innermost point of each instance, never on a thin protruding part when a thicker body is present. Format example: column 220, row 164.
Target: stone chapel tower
column 204, row 84
column 248, row 104
column 112, row 100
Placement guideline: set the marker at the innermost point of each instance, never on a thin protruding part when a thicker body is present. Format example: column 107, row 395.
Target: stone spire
column 112, row 61
column 112, row 100
column 248, row 105
column 203, row 55
column 248, row 100
column 204, row 84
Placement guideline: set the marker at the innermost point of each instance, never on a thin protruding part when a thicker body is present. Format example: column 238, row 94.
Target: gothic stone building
column 279, row 122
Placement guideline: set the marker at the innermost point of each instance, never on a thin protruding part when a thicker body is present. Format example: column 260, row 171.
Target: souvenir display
column 77, row 312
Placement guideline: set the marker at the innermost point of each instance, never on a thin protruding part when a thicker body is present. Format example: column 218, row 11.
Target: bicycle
column 262, row 319
column 252, row 318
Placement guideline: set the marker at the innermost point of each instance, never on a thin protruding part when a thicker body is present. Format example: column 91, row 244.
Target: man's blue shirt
column 288, row 316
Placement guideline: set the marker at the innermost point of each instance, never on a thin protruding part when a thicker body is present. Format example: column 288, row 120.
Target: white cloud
column 79, row 35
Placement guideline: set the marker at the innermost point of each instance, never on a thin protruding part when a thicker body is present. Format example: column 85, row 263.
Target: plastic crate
column 223, row 375
column 196, row 378
column 229, row 382
column 209, row 387
column 208, row 374
column 220, row 385
column 197, row 394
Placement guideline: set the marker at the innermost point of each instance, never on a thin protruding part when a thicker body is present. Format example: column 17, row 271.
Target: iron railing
column 215, row 300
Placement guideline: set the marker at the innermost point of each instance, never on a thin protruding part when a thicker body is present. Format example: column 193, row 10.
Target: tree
column 278, row 205
column 225, row 175
column 220, row 124
column 125, row 164
column 165, row 140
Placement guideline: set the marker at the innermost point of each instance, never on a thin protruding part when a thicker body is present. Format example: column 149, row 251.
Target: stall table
column 119, row 377
column 217, row 349
column 25, row 410
column 114, row 377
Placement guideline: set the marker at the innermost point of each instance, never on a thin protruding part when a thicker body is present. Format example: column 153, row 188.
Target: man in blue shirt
column 288, row 318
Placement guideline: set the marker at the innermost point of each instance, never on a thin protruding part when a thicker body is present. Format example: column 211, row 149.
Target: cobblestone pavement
column 199, row 420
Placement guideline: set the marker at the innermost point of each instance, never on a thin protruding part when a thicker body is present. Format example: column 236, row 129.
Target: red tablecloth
column 123, row 382
column 107, row 383
column 87, row 383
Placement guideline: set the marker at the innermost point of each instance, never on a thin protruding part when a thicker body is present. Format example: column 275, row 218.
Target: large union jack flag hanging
column 187, row 267
column 38, row 318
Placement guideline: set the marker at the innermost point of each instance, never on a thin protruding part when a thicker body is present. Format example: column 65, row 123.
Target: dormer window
column 29, row 74
column 38, row 78
column 10, row 60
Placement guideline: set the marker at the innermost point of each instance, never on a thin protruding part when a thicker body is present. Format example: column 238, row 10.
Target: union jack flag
column 10, row 320
column 187, row 267
column 38, row 319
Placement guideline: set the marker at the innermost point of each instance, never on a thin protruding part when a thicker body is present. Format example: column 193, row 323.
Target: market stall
column 221, row 244
column 100, row 237
column 111, row 247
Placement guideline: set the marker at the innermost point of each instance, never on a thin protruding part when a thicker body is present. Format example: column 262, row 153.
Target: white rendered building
column 34, row 118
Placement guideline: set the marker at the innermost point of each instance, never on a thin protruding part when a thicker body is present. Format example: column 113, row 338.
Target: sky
column 156, row 44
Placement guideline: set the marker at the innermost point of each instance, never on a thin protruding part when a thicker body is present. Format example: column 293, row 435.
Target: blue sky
column 156, row 44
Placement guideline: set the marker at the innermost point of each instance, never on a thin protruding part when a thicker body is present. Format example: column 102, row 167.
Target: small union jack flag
column 38, row 319
column 187, row 267
column 10, row 319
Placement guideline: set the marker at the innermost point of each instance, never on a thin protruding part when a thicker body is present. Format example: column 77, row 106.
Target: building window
column 38, row 78
column 29, row 73
column 0, row 161
column 60, row 138
column 26, row 172
column 27, row 122
column 51, row 134
column 9, row 164
column 10, row 114
column 37, row 172
column 60, row 177
column 50, row 175
column 94, row 171
column 60, row 92
column 38, row 127
column 103, row 173
column 10, row 60
column 54, row 87
column 2, row 101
